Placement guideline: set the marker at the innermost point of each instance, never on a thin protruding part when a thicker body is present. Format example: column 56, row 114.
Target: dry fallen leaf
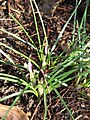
column 14, row 114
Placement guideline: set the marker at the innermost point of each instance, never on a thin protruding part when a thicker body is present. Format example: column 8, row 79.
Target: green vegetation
column 63, row 68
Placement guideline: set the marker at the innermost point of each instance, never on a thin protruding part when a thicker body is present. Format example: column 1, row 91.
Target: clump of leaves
column 54, row 70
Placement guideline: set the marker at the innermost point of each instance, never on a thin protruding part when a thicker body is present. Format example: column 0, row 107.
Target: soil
column 78, row 100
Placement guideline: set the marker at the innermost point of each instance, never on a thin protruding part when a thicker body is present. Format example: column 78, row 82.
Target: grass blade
column 18, row 38
column 62, row 101
column 60, row 35
column 21, row 54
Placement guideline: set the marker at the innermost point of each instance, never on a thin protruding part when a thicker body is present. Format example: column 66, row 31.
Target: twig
column 35, row 111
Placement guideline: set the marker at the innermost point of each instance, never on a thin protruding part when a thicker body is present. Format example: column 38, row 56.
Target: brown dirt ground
column 78, row 103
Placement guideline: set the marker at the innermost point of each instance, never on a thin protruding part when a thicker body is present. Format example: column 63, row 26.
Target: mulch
column 78, row 102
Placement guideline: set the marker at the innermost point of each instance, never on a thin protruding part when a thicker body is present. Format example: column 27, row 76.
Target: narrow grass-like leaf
column 45, row 104
column 44, row 31
column 23, row 30
column 14, row 102
column 7, row 56
column 36, row 25
column 58, row 94
column 18, row 38
column 16, row 94
column 21, row 54
column 73, row 33
column 9, row 96
column 57, row 83
column 65, row 74
column 19, row 81
column 60, row 35
column 83, row 21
